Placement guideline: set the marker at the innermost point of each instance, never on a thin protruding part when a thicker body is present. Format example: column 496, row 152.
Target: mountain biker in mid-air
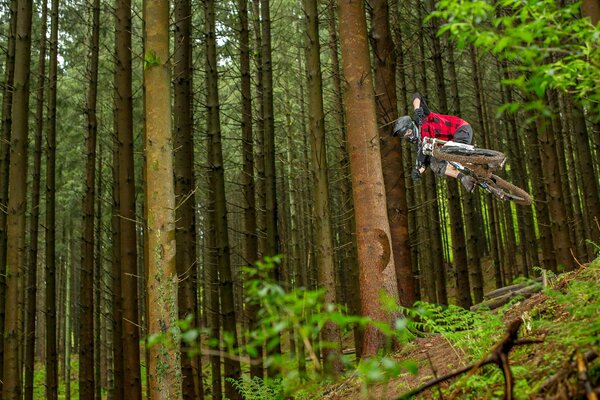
column 439, row 126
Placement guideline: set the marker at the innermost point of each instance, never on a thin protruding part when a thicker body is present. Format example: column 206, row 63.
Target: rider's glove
column 419, row 115
column 415, row 174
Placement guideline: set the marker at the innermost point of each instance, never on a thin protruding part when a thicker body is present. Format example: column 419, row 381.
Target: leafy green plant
column 258, row 389
column 546, row 44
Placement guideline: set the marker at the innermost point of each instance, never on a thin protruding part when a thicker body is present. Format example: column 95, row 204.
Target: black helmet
column 406, row 127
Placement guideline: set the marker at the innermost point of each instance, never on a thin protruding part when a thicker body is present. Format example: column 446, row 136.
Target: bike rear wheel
column 507, row 191
column 492, row 158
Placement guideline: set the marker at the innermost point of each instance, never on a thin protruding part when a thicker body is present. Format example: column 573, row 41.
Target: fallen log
column 499, row 301
column 511, row 288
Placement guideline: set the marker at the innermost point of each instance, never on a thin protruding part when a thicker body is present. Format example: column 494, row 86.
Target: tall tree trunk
column 86, row 317
column 232, row 368
column 517, row 159
column 322, row 221
column 213, row 305
column 346, row 241
column 164, row 364
column 7, row 96
column 553, row 187
column 391, row 149
column 249, row 187
column 30, row 331
column 99, row 325
column 548, row 257
column 185, row 233
column 591, row 187
column 261, row 223
column 68, row 332
column 375, row 261
column 591, row 10
column 51, row 317
column 272, row 240
column 115, row 391
column 17, row 201
column 124, row 127
column 472, row 219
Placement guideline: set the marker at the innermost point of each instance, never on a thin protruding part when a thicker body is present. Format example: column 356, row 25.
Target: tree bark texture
column 51, row 268
column 391, row 149
column 272, row 239
column 320, row 180
column 553, row 189
column 375, row 260
column 127, row 214
column 232, row 368
column 17, row 201
column 86, row 294
column 31, row 286
column 164, row 363
column 7, row 98
column 249, row 185
column 185, row 190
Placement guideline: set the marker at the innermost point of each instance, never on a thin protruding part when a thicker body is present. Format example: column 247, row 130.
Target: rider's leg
column 467, row 181
column 464, row 135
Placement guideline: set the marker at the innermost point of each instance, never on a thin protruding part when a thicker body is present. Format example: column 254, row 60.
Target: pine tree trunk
column 548, row 257
column 272, row 240
column 391, row 149
column 591, row 10
column 86, row 317
column 249, row 186
column 346, row 240
column 51, row 295
column 517, row 160
column 30, row 331
column 322, row 221
column 164, row 363
column 185, row 233
column 7, row 99
column 260, row 134
column 472, row 220
column 423, row 235
column 17, row 201
column 232, row 369
column 213, row 305
column 375, row 262
column 591, row 187
column 99, row 300
column 553, row 188
column 124, row 127
column 115, row 391
column 67, row 333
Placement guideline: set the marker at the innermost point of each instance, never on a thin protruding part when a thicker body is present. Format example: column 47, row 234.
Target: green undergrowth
column 565, row 318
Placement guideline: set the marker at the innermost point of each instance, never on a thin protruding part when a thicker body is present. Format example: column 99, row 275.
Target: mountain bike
column 478, row 163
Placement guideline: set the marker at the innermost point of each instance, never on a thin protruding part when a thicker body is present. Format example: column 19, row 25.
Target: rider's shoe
column 468, row 182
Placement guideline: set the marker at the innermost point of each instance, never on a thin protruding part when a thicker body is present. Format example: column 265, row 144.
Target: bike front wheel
column 507, row 191
column 492, row 158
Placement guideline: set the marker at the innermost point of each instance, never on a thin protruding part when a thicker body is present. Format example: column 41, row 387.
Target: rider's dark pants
column 463, row 135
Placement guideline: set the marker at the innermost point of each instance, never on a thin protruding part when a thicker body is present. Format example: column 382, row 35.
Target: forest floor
column 564, row 318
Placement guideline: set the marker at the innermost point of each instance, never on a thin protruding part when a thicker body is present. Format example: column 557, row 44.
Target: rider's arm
column 421, row 109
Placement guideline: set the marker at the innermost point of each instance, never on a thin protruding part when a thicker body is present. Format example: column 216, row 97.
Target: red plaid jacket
column 441, row 126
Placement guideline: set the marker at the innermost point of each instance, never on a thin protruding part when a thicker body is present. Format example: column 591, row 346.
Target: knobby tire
column 514, row 193
column 492, row 158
